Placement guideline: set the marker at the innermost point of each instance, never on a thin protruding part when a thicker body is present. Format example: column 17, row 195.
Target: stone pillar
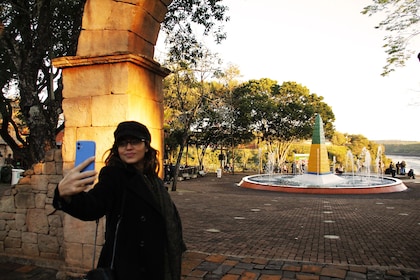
column 101, row 91
column 112, row 78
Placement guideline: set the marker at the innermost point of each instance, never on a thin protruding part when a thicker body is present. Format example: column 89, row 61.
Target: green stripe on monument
column 318, row 136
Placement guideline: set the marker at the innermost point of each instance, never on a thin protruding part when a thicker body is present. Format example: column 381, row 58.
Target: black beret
column 133, row 129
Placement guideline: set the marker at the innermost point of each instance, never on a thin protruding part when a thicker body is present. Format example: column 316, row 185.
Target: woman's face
column 132, row 151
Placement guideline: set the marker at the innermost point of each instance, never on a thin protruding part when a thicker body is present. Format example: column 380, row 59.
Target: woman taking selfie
column 149, row 242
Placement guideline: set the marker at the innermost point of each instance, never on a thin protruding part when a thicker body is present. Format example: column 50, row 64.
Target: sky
column 332, row 49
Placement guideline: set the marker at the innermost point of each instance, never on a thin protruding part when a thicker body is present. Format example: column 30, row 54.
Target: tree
column 183, row 21
column 402, row 23
column 32, row 32
column 280, row 115
column 186, row 92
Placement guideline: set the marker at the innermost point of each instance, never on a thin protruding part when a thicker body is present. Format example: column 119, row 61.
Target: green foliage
column 339, row 152
column 34, row 32
column 406, row 150
column 279, row 113
column 401, row 23
column 339, row 139
column 184, row 19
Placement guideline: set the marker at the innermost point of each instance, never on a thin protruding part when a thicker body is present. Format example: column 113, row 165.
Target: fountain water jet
column 319, row 179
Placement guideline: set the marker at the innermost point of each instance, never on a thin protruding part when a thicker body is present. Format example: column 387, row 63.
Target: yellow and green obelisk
column 318, row 162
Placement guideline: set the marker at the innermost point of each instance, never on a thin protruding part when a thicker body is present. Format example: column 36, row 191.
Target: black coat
column 149, row 230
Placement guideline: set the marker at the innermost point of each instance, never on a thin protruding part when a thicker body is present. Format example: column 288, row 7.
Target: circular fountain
column 318, row 178
column 343, row 184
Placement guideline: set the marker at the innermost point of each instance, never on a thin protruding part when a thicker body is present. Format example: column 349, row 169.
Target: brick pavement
column 265, row 235
column 236, row 233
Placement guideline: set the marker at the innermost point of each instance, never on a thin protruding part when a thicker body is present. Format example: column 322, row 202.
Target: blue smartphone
column 85, row 149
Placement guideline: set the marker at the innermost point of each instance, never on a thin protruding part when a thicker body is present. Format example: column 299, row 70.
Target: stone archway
column 112, row 78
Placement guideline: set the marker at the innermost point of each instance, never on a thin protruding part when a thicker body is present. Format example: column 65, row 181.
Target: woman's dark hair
column 151, row 162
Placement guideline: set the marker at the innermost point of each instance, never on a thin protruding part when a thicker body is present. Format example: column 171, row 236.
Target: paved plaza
column 237, row 233
column 366, row 234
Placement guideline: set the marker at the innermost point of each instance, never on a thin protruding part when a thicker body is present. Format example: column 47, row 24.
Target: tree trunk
column 178, row 160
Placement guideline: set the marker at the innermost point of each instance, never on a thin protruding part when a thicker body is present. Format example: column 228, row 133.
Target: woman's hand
column 77, row 181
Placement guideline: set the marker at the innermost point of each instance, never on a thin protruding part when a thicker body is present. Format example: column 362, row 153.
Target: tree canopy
column 279, row 112
column 401, row 21
column 32, row 32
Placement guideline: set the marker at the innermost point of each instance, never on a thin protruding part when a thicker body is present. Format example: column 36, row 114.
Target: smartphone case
column 84, row 150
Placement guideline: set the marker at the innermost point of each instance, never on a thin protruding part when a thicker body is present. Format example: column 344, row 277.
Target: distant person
column 398, row 166
column 402, row 168
column 411, row 174
column 392, row 169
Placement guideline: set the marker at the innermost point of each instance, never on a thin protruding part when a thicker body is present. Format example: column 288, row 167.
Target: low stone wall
column 32, row 231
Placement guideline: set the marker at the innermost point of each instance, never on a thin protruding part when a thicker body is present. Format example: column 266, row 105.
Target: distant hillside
column 395, row 142
column 395, row 147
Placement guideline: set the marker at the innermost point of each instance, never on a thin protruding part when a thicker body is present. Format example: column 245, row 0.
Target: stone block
column 39, row 182
column 105, row 42
column 49, row 208
column 49, row 155
column 25, row 180
column 109, row 110
column 57, row 155
column 37, row 168
column 93, row 8
column 157, row 9
column 7, row 216
column 49, row 168
column 24, row 188
column 92, row 78
column 52, row 256
column 147, row 111
column 135, row 20
column 54, row 180
column 7, row 204
column 88, row 255
column 78, row 112
column 11, row 224
column 13, row 251
column 69, row 146
column 10, row 242
column 48, row 244
column 29, row 237
column 73, row 254
column 25, row 200
column 78, row 231
column 59, row 167
column 29, row 249
column 40, row 200
column 55, row 221
column 15, row 234
column 37, row 221
column 51, row 190
column 20, row 220
column 333, row 272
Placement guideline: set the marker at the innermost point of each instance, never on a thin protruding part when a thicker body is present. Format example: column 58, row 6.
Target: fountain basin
column 318, row 184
